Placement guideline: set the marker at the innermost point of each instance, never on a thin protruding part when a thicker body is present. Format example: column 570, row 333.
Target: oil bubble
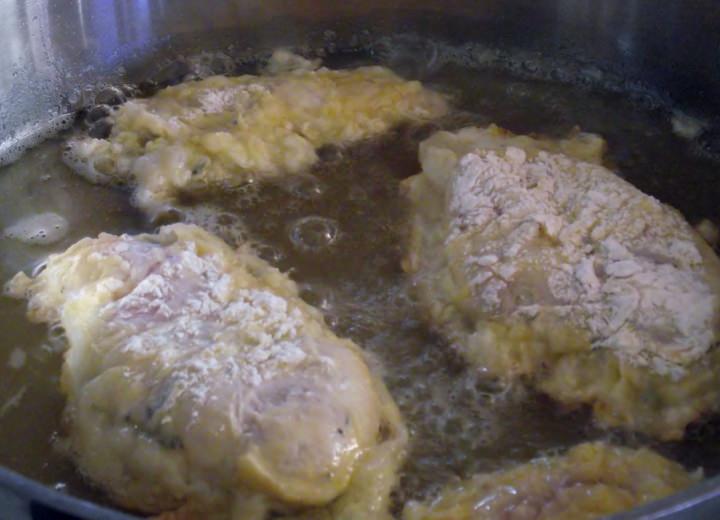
column 173, row 73
column 97, row 113
column 110, row 96
column 82, row 166
column 129, row 90
column 167, row 215
column 305, row 187
column 271, row 254
column 57, row 340
column 333, row 321
column 317, row 295
column 330, row 153
column 314, row 233
column 707, row 144
column 247, row 194
column 101, row 129
column 224, row 224
column 410, row 57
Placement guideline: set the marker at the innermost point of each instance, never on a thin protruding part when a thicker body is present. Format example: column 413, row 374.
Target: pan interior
column 461, row 423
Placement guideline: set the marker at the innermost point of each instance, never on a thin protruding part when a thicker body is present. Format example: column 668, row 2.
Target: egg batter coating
column 539, row 263
column 197, row 380
column 225, row 131
column 591, row 480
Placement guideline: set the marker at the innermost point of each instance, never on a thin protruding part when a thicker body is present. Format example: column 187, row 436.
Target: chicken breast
column 539, row 263
column 591, row 480
column 226, row 131
column 197, row 380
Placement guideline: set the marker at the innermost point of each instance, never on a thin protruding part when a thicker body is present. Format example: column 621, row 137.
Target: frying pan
column 57, row 54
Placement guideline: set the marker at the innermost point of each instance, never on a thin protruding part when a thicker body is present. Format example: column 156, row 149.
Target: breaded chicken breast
column 539, row 263
column 197, row 380
column 225, row 131
column 591, row 480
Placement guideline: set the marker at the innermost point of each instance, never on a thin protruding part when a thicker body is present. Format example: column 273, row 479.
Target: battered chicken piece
column 539, row 263
column 226, row 131
column 197, row 380
column 591, row 481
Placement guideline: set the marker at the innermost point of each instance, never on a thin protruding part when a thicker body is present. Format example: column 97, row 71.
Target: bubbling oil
column 339, row 231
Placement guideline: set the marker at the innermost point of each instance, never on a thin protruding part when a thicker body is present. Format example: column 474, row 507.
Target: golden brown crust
column 526, row 260
column 591, row 480
column 199, row 382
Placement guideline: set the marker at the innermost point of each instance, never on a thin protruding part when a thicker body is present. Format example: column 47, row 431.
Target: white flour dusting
column 217, row 333
column 570, row 240
column 191, row 362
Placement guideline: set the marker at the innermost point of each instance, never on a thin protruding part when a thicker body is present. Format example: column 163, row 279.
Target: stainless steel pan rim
column 22, row 498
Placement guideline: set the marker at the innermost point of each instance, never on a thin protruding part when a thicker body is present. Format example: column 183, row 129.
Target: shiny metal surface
column 57, row 52
column 24, row 499
column 52, row 48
